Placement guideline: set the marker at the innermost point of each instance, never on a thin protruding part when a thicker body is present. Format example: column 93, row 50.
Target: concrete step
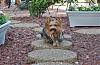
column 26, row 25
column 52, row 63
column 15, row 22
column 40, row 44
column 52, row 55
column 88, row 31
column 39, row 29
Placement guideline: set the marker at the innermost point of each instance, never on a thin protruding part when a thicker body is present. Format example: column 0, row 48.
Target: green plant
column 83, row 8
column 37, row 7
column 74, row 6
column 2, row 19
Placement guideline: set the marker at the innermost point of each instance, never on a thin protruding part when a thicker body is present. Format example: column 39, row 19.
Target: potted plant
column 4, row 24
column 83, row 15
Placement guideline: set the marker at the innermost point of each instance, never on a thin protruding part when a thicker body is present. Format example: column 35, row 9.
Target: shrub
column 2, row 18
column 75, row 7
column 38, row 7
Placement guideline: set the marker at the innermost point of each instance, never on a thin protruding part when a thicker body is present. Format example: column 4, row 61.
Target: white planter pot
column 84, row 18
column 3, row 29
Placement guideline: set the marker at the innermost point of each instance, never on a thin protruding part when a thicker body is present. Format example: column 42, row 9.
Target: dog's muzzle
column 53, row 29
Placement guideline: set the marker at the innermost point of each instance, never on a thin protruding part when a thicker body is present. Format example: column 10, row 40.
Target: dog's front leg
column 56, row 43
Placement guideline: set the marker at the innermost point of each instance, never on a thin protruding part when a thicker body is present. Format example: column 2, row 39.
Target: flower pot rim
column 7, row 23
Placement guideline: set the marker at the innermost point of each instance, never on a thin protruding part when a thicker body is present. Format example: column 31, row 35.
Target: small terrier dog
column 52, row 32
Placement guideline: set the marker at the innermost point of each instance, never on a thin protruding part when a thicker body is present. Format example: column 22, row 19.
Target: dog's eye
column 55, row 25
column 50, row 25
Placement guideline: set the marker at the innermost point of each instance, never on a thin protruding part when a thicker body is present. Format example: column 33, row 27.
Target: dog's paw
column 56, row 45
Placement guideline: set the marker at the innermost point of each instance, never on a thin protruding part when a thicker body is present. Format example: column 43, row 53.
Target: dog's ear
column 59, row 21
column 47, row 21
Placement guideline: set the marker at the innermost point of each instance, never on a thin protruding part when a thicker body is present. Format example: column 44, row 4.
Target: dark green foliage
column 37, row 7
column 54, row 1
column 92, row 8
column 71, row 1
column 82, row 8
column 71, row 8
column 2, row 19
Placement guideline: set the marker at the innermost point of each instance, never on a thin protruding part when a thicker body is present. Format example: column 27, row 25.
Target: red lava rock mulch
column 18, row 40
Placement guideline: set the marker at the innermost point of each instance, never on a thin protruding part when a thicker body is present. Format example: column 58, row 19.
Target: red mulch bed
column 17, row 45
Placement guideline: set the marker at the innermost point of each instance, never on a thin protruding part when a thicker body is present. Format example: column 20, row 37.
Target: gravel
column 17, row 45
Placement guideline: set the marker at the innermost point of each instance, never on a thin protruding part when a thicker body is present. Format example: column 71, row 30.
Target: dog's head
column 53, row 26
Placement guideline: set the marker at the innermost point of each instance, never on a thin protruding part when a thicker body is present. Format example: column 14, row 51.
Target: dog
column 52, row 31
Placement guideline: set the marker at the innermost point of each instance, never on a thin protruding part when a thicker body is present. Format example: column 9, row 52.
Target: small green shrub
column 2, row 19
column 73, row 6
column 37, row 7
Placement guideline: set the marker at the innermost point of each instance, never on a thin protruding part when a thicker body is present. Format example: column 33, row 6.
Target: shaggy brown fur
column 53, row 29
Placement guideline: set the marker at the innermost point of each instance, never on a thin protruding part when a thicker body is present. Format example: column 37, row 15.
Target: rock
column 38, row 35
column 40, row 44
column 52, row 55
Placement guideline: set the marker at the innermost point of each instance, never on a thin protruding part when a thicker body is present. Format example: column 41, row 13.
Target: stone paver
column 52, row 55
column 26, row 25
column 52, row 63
column 15, row 22
column 40, row 44
column 38, row 29
column 66, row 36
column 88, row 31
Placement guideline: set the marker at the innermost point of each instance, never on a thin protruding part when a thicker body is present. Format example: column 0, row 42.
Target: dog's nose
column 53, row 29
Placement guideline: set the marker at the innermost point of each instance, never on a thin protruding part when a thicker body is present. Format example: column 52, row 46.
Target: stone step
column 40, row 44
column 88, row 31
column 25, row 25
column 15, row 22
column 52, row 63
column 65, row 36
column 39, row 29
column 52, row 55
